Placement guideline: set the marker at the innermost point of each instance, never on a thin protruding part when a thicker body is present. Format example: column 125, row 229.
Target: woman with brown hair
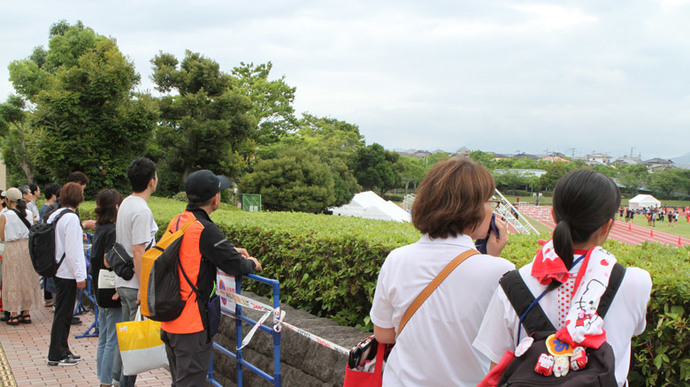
column 71, row 274
column 19, row 280
column 453, row 206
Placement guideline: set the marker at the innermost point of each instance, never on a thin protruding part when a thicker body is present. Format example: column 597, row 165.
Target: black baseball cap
column 204, row 184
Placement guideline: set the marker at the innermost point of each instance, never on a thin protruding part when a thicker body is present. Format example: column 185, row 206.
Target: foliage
column 377, row 168
column 205, row 124
column 81, row 88
column 632, row 177
column 271, row 101
column 413, row 171
column 668, row 181
column 554, row 171
column 335, row 142
column 16, row 130
column 295, row 180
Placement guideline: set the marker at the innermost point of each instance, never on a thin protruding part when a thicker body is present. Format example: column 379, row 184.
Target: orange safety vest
column 190, row 259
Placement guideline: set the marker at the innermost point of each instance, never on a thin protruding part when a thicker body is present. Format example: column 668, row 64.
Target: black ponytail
column 563, row 243
column 583, row 201
column 21, row 206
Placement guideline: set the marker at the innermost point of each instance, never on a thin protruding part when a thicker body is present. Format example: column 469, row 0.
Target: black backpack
column 42, row 246
column 600, row 368
column 163, row 294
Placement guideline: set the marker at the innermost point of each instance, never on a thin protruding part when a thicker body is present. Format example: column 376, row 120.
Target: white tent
column 369, row 205
column 641, row 201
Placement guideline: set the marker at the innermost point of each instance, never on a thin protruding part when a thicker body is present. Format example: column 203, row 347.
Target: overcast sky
column 502, row 76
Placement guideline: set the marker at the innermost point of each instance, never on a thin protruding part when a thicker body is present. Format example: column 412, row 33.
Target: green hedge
column 328, row 266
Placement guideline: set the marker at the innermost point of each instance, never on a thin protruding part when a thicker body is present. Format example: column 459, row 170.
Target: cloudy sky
column 502, row 76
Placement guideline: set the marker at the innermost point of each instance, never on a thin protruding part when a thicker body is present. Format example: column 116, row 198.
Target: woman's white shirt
column 624, row 319
column 69, row 238
column 15, row 229
column 435, row 349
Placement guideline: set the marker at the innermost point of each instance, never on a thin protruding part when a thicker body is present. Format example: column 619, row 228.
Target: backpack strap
column 179, row 263
column 535, row 320
column 615, row 280
column 521, row 298
column 22, row 218
column 432, row 286
column 55, row 223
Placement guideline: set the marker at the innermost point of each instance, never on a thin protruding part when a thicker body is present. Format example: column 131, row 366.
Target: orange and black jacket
column 204, row 248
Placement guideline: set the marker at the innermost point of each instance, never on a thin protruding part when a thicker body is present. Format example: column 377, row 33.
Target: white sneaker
column 64, row 362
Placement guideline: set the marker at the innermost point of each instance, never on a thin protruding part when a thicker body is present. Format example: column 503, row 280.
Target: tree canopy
column 81, row 91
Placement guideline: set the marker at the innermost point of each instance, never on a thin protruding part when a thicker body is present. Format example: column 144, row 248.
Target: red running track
column 625, row 232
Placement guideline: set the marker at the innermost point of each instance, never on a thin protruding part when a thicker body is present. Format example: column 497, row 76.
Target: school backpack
column 42, row 246
column 162, row 298
column 600, row 363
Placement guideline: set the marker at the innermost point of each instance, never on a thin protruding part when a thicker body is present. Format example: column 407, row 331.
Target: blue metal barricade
column 239, row 318
column 92, row 330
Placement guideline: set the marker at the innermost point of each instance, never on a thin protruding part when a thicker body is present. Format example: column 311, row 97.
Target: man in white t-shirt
column 135, row 231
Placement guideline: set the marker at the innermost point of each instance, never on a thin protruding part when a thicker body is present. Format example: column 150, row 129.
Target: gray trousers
column 189, row 357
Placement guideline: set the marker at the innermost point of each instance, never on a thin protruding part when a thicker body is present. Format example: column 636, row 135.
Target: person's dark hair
column 583, row 201
column 3, row 200
column 107, row 201
column 194, row 202
column 78, row 177
column 140, row 172
column 50, row 190
column 71, row 195
column 451, row 198
column 21, row 206
column 33, row 188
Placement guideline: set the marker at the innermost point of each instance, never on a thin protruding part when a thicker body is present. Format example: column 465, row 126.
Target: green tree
column 16, row 129
column 295, row 180
column 483, row 158
column 632, row 177
column 271, row 101
column 377, row 168
column 336, row 142
column 86, row 116
column 554, row 172
column 666, row 181
column 413, row 171
column 205, row 123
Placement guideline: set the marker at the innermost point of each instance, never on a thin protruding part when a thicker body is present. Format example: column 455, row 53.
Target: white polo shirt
column 435, row 348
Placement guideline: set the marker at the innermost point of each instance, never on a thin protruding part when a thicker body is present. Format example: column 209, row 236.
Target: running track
column 625, row 232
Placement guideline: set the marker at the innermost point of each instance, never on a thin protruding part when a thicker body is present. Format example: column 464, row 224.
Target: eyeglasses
column 494, row 203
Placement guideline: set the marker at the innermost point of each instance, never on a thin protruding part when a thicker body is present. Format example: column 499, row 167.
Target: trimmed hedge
column 328, row 266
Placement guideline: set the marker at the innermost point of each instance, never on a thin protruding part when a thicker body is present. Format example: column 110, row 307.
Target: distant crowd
column 654, row 214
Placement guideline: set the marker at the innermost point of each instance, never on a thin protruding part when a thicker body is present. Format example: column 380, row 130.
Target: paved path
column 24, row 353
column 625, row 232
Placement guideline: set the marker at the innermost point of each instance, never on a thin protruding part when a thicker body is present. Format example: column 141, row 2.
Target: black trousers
column 189, row 357
column 65, row 295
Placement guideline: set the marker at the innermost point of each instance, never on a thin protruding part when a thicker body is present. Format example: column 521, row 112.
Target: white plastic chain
column 278, row 320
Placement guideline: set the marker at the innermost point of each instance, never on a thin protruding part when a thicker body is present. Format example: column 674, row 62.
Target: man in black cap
column 204, row 249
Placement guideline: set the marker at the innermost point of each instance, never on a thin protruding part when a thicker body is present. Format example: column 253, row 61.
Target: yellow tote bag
column 141, row 346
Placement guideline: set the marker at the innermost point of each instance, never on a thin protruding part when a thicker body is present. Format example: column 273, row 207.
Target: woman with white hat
column 19, row 280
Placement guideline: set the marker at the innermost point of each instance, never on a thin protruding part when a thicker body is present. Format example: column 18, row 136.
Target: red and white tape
column 278, row 317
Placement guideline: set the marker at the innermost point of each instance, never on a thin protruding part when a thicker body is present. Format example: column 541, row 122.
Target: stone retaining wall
column 303, row 362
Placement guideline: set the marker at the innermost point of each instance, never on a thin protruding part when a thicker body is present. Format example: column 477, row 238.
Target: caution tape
column 278, row 322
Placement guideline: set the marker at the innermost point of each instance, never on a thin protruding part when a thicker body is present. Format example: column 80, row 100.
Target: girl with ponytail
column 571, row 271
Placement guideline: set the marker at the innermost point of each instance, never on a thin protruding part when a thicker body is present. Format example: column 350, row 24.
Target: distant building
column 627, row 160
column 553, row 157
column 597, row 158
column 657, row 164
